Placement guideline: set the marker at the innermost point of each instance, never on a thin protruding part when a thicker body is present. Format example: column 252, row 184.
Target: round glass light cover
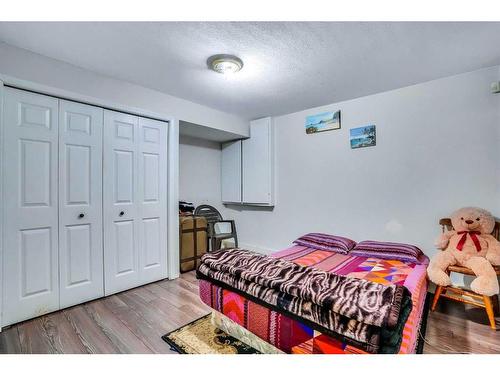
column 225, row 64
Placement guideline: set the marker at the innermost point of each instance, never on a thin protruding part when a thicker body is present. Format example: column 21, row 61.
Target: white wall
column 66, row 78
column 199, row 171
column 437, row 150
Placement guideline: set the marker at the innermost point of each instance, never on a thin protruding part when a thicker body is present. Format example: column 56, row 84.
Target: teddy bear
column 471, row 245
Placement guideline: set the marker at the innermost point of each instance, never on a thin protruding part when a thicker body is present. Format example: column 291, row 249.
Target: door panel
column 125, row 130
column 151, row 177
column 121, row 235
column 78, row 122
column 126, row 254
column 80, row 203
column 33, row 115
column 36, row 265
column 31, row 286
column 124, row 176
column 35, row 165
column 78, row 172
column 152, row 243
column 152, row 192
column 79, row 250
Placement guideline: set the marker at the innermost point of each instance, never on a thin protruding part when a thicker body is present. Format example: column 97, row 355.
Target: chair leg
column 489, row 311
column 439, row 290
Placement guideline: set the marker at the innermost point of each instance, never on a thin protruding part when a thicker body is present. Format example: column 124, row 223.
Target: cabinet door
column 31, row 286
column 152, row 200
column 80, row 203
column 231, row 172
column 120, row 194
column 258, row 163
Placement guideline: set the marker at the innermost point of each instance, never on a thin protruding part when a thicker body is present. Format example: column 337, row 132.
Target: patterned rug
column 201, row 337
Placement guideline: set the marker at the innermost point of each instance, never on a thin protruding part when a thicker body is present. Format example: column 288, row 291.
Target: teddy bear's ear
column 455, row 218
column 487, row 221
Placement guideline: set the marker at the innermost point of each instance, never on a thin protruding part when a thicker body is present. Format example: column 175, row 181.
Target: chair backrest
column 208, row 212
column 446, row 224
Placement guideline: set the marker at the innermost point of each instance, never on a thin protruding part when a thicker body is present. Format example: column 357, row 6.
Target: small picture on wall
column 364, row 136
column 322, row 122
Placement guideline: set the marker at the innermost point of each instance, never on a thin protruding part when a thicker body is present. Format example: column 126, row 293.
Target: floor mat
column 202, row 337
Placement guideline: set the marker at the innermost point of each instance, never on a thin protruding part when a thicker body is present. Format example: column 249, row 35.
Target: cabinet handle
column 122, row 213
column 81, row 216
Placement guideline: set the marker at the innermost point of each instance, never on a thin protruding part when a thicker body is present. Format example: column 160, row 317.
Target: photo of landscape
column 323, row 122
column 364, row 136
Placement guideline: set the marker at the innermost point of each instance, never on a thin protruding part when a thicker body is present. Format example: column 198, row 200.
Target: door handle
column 81, row 216
column 122, row 213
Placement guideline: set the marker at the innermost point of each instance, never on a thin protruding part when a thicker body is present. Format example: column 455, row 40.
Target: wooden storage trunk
column 193, row 241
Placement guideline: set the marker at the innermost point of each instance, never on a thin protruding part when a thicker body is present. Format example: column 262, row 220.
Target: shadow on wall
column 198, row 142
column 244, row 207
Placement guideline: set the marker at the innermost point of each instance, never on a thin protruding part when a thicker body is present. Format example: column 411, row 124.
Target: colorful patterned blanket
column 291, row 335
column 358, row 309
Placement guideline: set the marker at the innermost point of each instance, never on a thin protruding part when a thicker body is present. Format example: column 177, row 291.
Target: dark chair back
column 208, row 212
column 213, row 216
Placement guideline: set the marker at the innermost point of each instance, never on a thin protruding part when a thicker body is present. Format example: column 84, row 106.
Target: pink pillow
column 329, row 242
column 387, row 250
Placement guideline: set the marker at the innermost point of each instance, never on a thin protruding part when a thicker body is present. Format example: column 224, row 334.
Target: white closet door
column 152, row 200
column 31, row 286
column 80, row 203
column 120, row 194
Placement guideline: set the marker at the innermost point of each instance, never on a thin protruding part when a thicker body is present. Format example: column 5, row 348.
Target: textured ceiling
column 288, row 66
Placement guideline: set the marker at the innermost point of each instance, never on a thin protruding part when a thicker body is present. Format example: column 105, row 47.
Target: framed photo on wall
column 364, row 136
column 322, row 122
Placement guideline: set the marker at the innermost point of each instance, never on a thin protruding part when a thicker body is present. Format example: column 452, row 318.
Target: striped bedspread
column 290, row 335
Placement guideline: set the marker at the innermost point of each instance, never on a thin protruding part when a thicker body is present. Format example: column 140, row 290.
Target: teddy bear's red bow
column 473, row 236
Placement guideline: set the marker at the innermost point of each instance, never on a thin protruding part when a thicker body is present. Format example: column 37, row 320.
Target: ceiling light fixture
column 225, row 64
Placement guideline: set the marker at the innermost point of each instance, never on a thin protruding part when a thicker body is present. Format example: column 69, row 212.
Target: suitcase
column 193, row 241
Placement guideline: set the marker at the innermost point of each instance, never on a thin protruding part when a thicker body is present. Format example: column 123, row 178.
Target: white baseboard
column 258, row 249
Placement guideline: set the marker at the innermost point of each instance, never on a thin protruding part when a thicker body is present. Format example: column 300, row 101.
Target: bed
column 249, row 317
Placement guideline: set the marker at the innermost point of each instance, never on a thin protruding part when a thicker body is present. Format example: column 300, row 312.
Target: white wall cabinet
column 258, row 164
column 248, row 167
column 61, row 245
column 231, row 172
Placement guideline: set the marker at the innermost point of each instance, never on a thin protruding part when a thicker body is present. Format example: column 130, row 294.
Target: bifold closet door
column 152, row 199
column 80, row 203
column 31, row 286
column 135, row 171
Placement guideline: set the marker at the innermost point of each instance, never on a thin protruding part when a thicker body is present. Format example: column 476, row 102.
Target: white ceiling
column 288, row 66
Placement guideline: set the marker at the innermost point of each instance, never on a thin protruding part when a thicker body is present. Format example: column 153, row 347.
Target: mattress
column 294, row 336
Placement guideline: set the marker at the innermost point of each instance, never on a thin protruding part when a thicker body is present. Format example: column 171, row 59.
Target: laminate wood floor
column 456, row 327
column 135, row 320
